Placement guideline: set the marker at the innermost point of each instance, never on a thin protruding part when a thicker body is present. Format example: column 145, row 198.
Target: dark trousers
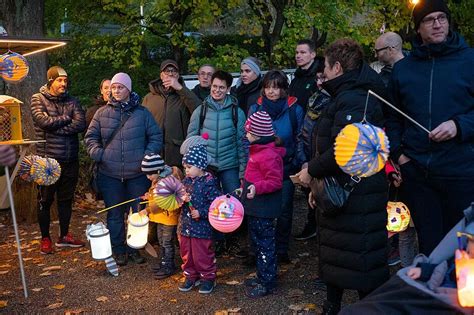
column 166, row 238
column 198, row 258
column 262, row 235
column 436, row 204
column 64, row 190
column 285, row 220
column 114, row 192
column 311, row 216
column 334, row 294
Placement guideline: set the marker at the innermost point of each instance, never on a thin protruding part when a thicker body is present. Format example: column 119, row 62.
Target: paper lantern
column 45, row 171
column 169, row 194
column 10, row 120
column 465, row 278
column 99, row 237
column 137, row 230
column 13, row 67
column 226, row 214
column 361, row 149
column 398, row 217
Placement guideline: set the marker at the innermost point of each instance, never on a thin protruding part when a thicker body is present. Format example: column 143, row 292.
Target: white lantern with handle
column 99, row 237
column 137, row 230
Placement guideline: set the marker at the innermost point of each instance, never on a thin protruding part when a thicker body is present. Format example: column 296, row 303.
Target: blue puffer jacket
column 203, row 191
column 140, row 135
column 226, row 144
column 433, row 85
column 283, row 126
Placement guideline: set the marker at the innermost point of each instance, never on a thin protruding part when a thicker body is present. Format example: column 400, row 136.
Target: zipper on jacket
column 430, row 98
column 217, row 138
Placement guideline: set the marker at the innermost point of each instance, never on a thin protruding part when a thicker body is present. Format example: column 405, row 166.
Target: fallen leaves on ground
column 37, row 289
column 102, row 299
column 230, row 311
column 295, row 293
column 45, row 274
column 73, row 312
column 54, row 306
column 58, row 286
column 233, row 282
column 3, row 303
column 5, row 266
column 3, row 272
column 126, row 296
column 52, row 268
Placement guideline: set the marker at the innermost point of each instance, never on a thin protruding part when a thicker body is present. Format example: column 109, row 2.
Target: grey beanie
column 252, row 63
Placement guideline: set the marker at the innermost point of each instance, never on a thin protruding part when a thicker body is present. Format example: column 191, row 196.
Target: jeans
column 407, row 246
column 285, row 220
column 166, row 238
column 436, row 204
column 63, row 189
column 115, row 191
column 262, row 235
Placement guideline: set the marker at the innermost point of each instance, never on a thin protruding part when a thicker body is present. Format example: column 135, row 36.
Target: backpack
column 203, row 112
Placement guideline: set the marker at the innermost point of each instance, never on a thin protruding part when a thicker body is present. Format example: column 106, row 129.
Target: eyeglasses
column 430, row 21
column 377, row 50
column 170, row 70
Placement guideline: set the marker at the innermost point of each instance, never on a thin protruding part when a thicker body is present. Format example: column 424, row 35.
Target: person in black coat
column 353, row 243
column 249, row 86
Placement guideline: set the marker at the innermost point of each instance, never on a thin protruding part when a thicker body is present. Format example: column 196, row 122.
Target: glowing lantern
column 99, row 237
column 361, row 149
column 398, row 217
column 226, row 214
column 13, row 67
column 10, row 120
column 169, row 194
column 465, row 278
column 137, row 230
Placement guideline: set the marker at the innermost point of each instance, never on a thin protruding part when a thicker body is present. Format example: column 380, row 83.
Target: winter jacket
column 171, row 110
column 304, row 84
column 58, row 120
column 353, row 243
column 434, row 84
column 98, row 103
column 264, row 171
column 203, row 191
column 316, row 104
column 201, row 92
column 140, row 135
column 283, row 125
column 247, row 94
column 226, row 141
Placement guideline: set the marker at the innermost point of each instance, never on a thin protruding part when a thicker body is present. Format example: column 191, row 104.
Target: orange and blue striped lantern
column 13, row 67
column 361, row 149
column 398, row 216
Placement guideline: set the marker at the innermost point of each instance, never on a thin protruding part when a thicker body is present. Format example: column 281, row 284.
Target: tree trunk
column 25, row 18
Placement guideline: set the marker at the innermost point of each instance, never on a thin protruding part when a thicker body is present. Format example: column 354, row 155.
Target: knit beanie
column 55, row 72
column 252, row 63
column 123, row 79
column 196, row 156
column 152, row 164
column 425, row 7
column 192, row 141
column 260, row 124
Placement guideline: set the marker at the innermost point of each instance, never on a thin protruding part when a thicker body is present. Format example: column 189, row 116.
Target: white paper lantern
column 99, row 238
column 137, row 231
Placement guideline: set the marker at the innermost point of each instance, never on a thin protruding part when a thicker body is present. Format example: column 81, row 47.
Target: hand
column 172, row 82
column 403, row 159
column 7, row 155
column 395, row 179
column 311, row 200
column 414, row 273
column 143, row 212
column 304, row 176
column 146, row 196
column 195, row 214
column 251, row 192
column 445, row 131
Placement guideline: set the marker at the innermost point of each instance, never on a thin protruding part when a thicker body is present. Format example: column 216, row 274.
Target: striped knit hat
column 260, row 124
column 152, row 164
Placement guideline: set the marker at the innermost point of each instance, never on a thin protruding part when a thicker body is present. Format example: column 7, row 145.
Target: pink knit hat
column 123, row 79
column 260, row 124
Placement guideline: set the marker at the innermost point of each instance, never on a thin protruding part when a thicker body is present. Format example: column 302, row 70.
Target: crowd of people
column 248, row 139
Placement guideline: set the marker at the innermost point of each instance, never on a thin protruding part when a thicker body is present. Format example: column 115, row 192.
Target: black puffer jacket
column 304, row 84
column 352, row 245
column 58, row 120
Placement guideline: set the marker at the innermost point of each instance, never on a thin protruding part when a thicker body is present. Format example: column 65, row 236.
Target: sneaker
column 283, row 259
column 307, row 233
column 164, row 273
column 69, row 241
column 393, row 257
column 251, row 282
column 46, row 246
column 207, row 286
column 121, row 259
column 188, row 284
column 257, row 291
column 136, row 257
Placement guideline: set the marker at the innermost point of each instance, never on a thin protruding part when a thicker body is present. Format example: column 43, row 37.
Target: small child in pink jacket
column 261, row 196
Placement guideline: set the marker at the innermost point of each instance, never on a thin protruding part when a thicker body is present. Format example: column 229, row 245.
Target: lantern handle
column 119, row 204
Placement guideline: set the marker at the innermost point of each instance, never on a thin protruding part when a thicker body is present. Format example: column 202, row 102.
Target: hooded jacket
column 353, row 243
column 434, row 84
column 172, row 110
column 226, row 144
column 58, row 120
column 140, row 135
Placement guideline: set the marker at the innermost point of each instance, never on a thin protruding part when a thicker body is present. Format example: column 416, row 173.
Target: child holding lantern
column 155, row 169
column 261, row 196
column 195, row 232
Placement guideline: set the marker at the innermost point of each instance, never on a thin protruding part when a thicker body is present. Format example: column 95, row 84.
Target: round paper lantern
column 169, row 194
column 45, row 171
column 226, row 213
column 13, row 67
column 398, row 217
column 361, row 149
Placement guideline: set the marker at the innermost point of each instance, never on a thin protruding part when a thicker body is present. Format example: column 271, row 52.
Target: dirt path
column 70, row 281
